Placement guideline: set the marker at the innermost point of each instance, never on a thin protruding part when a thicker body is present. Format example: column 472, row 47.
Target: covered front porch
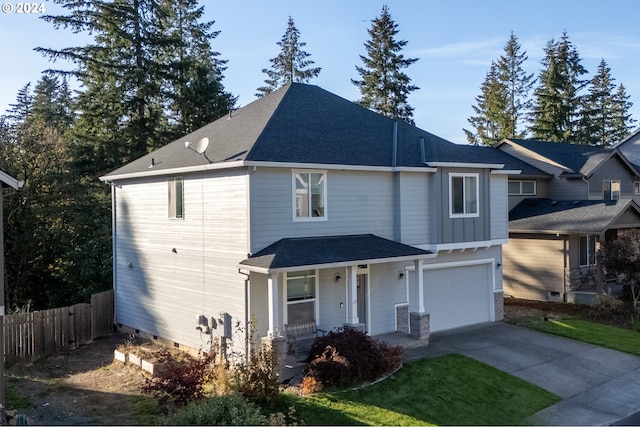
column 357, row 281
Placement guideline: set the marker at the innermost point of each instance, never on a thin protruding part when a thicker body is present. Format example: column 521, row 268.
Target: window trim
column 308, row 172
column 591, row 258
column 611, row 191
column 315, row 300
column 463, row 175
column 521, row 192
column 172, row 206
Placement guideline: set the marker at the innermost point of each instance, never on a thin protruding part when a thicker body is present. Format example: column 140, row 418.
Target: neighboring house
column 570, row 199
column 305, row 206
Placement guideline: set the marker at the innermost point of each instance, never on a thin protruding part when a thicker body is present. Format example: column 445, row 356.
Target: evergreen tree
column 193, row 83
column 518, row 85
column 291, row 64
column 384, row 86
column 557, row 101
column 39, row 222
column 490, row 123
column 504, row 100
column 597, row 127
column 622, row 122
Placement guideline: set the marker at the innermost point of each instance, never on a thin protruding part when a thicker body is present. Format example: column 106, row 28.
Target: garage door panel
column 456, row 297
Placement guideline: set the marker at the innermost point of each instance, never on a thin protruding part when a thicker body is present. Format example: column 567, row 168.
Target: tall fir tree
column 193, row 81
column 292, row 65
column 504, row 100
column 623, row 122
column 597, row 121
column 557, row 101
column 384, row 87
column 490, row 122
column 40, row 226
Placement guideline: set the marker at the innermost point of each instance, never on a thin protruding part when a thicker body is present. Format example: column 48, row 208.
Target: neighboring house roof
column 292, row 254
column 630, row 148
column 304, row 124
column 579, row 159
column 570, row 217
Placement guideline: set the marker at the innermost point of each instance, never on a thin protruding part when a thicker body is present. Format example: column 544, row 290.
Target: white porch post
column 352, row 293
column 272, row 282
column 420, row 284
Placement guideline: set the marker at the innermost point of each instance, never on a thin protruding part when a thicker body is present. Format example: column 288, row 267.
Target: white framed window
column 522, row 188
column 636, row 188
column 176, row 198
column 611, row 189
column 309, row 195
column 464, row 195
column 302, row 294
column 588, row 250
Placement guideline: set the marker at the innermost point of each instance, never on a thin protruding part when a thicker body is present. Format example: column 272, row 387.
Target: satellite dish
column 202, row 145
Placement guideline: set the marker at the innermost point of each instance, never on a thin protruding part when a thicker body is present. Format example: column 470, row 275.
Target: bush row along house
column 303, row 206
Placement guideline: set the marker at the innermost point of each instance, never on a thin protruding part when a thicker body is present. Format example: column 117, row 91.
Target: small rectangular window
column 522, row 188
column 636, row 188
column 464, row 194
column 587, row 250
column 611, row 189
column 176, row 199
column 310, row 191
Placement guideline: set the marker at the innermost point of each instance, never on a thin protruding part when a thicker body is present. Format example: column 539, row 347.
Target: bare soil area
column 86, row 386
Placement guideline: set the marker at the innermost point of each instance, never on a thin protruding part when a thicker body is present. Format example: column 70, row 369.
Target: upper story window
column 176, row 199
column 310, row 195
column 611, row 190
column 588, row 250
column 522, row 188
column 636, row 188
column 464, row 195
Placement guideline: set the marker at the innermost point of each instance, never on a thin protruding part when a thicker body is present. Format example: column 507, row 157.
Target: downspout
column 565, row 254
column 247, row 295
column 114, row 250
column 588, row 187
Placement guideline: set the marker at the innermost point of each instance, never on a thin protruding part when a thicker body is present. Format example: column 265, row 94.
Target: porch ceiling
column 292, row 254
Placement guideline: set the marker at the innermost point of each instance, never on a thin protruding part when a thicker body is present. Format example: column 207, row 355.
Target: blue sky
column 455, row 41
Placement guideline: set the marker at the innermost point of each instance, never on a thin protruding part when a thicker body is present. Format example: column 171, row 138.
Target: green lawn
column 449, row 390
column 626, row 340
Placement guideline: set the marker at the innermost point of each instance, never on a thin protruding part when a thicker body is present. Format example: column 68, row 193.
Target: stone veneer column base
column 402, row 319
column 358, row 326
column 419, row 327
column 498, row 305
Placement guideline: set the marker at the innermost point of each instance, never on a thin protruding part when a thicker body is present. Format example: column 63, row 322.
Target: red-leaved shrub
column 350, row 357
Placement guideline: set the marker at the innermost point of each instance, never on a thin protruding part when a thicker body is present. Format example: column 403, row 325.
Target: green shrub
column 225, row 410
column 606, row 306
column 350, row 357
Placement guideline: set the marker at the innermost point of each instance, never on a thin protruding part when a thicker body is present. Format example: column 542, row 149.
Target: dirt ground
column 86, row 386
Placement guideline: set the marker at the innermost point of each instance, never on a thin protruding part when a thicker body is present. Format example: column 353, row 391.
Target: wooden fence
column 31, row 336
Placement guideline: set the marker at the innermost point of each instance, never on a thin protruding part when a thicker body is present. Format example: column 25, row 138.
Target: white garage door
column 459, row 296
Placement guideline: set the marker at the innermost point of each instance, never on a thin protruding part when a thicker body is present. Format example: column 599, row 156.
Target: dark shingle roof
column 313, row 251
column 302, row 123
column 581, row 159
column 573, row 217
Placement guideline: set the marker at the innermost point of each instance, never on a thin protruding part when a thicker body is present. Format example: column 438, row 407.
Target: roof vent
column 554, row 202
column 576, row 203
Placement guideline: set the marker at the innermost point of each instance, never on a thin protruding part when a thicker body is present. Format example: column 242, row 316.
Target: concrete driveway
column 598, row 386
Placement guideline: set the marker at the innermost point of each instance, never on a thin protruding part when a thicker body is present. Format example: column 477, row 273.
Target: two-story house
column 303, row 205
column 571, row 198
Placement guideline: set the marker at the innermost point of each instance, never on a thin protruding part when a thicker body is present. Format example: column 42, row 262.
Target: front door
column 362, row 299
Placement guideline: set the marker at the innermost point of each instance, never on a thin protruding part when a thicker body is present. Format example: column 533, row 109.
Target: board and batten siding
column 358, row 202
column 169, row 271
column 459, row 230
column 533, row 266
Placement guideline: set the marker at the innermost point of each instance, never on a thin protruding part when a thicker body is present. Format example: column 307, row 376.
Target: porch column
column 419, row 322
column 273, row 300
column 420, row 284
column 352, row 294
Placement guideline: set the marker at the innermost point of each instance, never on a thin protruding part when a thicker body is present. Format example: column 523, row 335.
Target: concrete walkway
column 598, row 386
